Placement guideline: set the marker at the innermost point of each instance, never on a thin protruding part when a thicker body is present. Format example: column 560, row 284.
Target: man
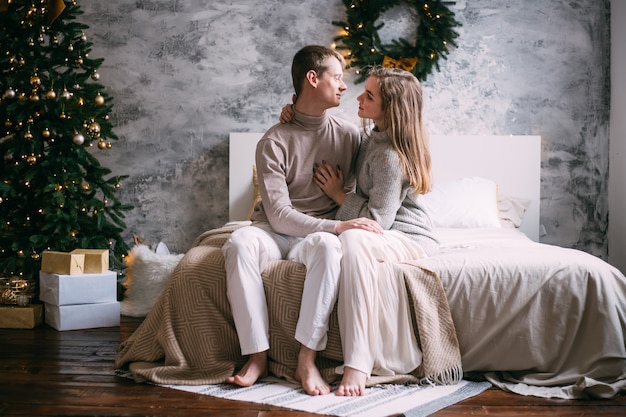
column 295, row 219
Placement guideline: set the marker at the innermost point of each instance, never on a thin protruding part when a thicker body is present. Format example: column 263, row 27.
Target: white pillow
column 463, row 203
column 147, row 274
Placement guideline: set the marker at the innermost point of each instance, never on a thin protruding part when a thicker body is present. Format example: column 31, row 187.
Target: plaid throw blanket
column 189, row 337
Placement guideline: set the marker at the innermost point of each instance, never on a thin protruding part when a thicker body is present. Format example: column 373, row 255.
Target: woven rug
column 378, row 401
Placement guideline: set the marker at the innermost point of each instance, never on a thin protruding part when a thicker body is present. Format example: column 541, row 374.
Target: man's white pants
column 373, row 308
column 248, row 251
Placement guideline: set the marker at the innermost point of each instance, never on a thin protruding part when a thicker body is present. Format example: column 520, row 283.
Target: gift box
column 96, row 260
column 64, row 263
column 27, row 317
column 58, row 289
column 83, row 316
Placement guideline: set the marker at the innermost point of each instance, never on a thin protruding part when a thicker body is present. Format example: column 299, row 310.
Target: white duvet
column 553, row 318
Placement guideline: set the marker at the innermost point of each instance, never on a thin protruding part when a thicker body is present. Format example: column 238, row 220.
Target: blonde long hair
column 402, row 103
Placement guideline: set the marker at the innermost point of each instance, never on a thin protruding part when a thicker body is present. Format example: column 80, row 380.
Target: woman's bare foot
column 353, row 383
column 255, row 368
column 308, row 374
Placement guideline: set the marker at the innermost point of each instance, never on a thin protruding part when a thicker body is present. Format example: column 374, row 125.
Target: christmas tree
column 54, row 194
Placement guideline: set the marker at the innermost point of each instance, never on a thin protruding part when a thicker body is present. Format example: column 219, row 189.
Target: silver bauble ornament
column 10, row 93
column 78, row 139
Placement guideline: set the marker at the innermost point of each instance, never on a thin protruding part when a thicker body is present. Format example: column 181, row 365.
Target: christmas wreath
column 435, row 32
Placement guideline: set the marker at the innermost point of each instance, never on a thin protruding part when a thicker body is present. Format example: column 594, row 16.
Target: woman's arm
column 382, row 189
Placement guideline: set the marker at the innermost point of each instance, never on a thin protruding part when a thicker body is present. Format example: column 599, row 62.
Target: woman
column 392, row 169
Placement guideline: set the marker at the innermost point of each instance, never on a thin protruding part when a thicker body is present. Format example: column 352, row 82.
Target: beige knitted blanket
column 189, row 337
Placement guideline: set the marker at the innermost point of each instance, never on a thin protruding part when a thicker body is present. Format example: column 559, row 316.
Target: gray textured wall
column 185, row 73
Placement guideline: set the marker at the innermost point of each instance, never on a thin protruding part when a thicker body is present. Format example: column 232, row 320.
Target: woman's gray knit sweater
column 383, row 193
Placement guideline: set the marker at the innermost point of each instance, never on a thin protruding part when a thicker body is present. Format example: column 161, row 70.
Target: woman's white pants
column 248, row 251
column 373, row 307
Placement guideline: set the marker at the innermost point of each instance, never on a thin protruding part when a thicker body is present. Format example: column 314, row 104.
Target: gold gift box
column 26, row 317
column 96, row 260
column 63, row 263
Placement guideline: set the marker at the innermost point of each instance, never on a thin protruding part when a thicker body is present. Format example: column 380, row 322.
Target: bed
column 531, row 318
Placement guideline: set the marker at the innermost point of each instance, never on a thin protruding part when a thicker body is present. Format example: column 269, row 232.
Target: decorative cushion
column 147, row 273
column 463, row 203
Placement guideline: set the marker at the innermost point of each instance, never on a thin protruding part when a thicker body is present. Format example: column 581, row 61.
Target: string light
column 59, row 193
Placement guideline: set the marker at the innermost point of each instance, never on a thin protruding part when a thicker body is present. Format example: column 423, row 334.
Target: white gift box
column 83, row 316
column 63, row 290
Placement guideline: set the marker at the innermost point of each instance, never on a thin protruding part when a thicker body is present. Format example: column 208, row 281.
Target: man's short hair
column 311, row 57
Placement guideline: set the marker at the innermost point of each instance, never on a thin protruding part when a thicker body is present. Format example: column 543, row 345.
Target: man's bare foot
column 353, row 383
column 308, row 374
column 255, row 368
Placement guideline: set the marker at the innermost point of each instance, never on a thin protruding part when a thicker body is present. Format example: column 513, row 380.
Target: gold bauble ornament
column 45, row 133
column 51, row 95
column 95, row 76
column 7, row 296
column 99, row 100
column 94, row 128
column 102, row 144
column 31, row 159
column 35, row 80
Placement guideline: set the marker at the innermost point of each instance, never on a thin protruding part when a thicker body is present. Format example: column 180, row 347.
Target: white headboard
column 513, row 162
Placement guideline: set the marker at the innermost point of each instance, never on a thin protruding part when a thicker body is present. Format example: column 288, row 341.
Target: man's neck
column 309, row 107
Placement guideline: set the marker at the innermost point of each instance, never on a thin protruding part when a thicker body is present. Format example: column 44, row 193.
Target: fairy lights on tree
column 54, row 119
